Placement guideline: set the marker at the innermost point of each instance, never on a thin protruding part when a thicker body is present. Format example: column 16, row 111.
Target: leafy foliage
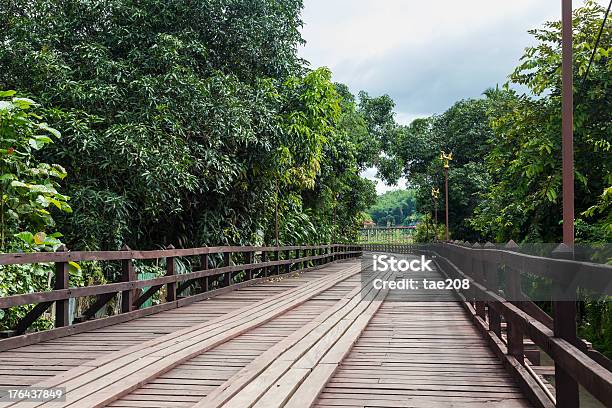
column 188, row 123
column 429, row 230
column 505, row 179
column 28, row 187
column 524, row 201
column 394, row 208
column 463, row 130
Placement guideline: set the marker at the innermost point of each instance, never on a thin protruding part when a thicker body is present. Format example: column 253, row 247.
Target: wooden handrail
column 18, row 258
column 571, row 356
column 593, row 276
column 176, row 283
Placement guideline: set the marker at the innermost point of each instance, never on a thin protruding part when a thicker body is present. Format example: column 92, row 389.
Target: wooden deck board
column 421, row 354
column 322, row 347
column 114, row 375
column 35, row 361
column 204, row 373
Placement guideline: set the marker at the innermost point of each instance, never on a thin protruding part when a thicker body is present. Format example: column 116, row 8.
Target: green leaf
column 8, row 176
column 26, row 237
column 24, row 103
column 39, row 238
column 18, row 183
column 4, row 94
column 45, row 127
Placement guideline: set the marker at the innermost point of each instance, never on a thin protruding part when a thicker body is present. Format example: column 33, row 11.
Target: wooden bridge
column 298, row 326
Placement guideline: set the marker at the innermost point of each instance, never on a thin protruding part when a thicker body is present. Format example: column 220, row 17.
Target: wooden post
column 564, row 322
column 227, row 261
column 494, row 320
column 61, row 282
column 277, row 258
column 248, row 259
column 515, row 341
column 264, row 259
column 204, row 282
column 170, row 271
column 287, row 257
column 127, row 275
column 567, row 122
column 565, row 312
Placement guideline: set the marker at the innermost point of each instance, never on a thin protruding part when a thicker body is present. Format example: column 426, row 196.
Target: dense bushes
column 187, row 123
column 28, row 187
column 505, row 179
column 29, row 198
column 394, row 208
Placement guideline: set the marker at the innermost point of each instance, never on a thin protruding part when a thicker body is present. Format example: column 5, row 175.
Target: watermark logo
column 384, row 263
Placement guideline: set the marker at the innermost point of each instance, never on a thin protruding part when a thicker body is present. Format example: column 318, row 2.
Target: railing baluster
column 248, row 260
column 61, row 282
column 170, row 271
column 227, row 276
column 299, row 265
column 514, row 337
column 204, row 282
column 127, row 275
column 264, row 259
column 277, row 258
column 287, row 257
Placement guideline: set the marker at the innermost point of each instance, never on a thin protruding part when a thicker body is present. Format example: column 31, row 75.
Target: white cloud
column 344, row 31
column 381, row 187
column 425, row 54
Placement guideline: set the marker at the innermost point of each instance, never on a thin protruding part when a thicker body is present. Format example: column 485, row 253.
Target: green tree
column 463, row 130
column 167, row 109
column 524, row 202
column 29, row 200
column 188, row 123
column 28, row 187
column 394, row 208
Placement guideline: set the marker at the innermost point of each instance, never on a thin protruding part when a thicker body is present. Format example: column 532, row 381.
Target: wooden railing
column 575, row 361
column 236, row 266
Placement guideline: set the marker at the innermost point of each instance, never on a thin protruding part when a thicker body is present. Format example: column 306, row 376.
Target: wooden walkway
column 320, row 338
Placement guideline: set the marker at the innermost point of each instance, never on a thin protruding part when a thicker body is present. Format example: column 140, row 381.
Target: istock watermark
column 383, row 263
column 409, row 277
column 454, row 271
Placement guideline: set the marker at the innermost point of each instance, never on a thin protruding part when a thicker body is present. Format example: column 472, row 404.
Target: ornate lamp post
column 446, row 158
column 435, row 194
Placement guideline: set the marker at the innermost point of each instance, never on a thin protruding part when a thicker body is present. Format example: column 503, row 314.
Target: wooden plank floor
column 32, row 364
column 204, row 373
column 306, row 340
column 422, row 355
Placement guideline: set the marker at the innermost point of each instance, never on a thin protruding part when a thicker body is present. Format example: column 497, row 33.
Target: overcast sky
column 425, row 54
